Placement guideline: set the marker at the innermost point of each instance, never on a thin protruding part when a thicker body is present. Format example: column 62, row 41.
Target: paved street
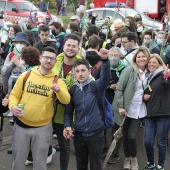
column 6, row 160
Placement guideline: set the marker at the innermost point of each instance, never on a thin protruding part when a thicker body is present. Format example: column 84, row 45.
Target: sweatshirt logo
column 41, row 90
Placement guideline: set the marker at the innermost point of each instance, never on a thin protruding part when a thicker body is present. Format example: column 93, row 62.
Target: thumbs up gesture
column 5, row 101
column 55, row 87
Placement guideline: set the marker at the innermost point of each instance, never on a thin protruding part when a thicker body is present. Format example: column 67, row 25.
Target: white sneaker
column 55, row 136
column 134, row 164
column 50, row 158
column 10, row 114
column 27, row 163
column 11, row 121
column 6, row 113
column 127, row 163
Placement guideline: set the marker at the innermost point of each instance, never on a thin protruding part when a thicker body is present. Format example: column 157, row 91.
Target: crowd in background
column 139, row 85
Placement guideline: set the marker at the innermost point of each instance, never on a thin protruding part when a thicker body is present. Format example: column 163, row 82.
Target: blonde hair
column 159, row 59
column 146, row 52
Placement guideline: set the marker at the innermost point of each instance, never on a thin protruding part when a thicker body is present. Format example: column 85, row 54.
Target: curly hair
column 31, row 56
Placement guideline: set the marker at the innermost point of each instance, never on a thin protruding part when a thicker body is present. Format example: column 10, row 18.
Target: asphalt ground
column 6, row 159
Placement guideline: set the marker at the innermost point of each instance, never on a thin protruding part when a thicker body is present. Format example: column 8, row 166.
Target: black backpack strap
column 72, row 90
column 25, row 78
column 95, row 92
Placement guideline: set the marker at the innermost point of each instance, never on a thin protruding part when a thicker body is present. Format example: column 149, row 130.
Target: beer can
column 21, row 106
column 69, row 131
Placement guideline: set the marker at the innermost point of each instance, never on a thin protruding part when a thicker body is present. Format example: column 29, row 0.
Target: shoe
column 11, row 121
column 113, row 159
column 5, row 114
column 10, row 114
column 158, row 167
column 149, row 166
column 56, row 147
column 134, row 163
column 127, row 163
column 9, row 150
column 50, row 158
column 55, row 136
column 27, row 163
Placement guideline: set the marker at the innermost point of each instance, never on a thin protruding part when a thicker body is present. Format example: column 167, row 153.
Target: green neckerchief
column 59, row 34
column 120, row 66
column 10, row 46
column 34, row 29
column 29, row 68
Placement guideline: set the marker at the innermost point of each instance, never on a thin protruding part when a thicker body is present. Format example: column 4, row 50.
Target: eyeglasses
column 124, row 42
column 49, row 58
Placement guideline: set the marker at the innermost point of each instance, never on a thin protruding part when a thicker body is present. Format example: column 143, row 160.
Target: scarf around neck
column 82, row 85
column 120, row 66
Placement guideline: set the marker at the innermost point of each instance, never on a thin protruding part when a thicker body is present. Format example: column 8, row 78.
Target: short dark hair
column 149, row 32
column 81, row 62
column 94, row 41
column 130, row 36
column 44, row 28
column 92, row 30
column 72, row 36
column 50, row 49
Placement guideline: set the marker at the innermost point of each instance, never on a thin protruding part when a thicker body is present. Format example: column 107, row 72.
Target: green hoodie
column 59, row 116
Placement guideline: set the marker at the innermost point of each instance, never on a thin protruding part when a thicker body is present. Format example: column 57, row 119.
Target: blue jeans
column 157, row 127
column 89, row 146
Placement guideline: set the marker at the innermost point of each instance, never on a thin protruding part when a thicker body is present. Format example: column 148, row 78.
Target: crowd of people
column 130, row 66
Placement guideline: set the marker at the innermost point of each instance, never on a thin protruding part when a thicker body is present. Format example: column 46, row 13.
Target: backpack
column 106, row 112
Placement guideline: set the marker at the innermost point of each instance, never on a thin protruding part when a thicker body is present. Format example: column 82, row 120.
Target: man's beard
column 73, row 56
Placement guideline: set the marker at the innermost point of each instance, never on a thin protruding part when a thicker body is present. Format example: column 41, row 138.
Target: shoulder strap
column 72, row 90
column 86, row 44
column 104, row 45
column 55, row 80
column 25, row 78
column 95, row 92
column 11, row 55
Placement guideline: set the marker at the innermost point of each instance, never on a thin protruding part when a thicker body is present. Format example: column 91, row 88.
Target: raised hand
column 94, row 14
column 166, row 71
column 55, row 87
column 146, row 97
column 16, row 61
column 104, row 54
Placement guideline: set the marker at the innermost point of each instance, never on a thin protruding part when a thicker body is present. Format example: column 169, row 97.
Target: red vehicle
column 152, row 8
column 14, row 10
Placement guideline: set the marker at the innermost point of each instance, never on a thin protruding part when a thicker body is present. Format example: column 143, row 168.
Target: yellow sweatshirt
column 37, row 97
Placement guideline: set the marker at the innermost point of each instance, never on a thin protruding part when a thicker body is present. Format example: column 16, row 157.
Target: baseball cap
column 75, row 17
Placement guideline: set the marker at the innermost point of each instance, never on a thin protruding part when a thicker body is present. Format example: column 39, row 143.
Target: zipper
column 84, row 113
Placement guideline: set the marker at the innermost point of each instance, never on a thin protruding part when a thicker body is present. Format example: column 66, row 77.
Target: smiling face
column 141, row 60
column 81, row 73
column 48, row 60
column 153, row 64
column 71, row 48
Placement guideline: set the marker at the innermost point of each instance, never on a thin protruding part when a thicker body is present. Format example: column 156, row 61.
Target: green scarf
column 59, row 34
column 120, row 66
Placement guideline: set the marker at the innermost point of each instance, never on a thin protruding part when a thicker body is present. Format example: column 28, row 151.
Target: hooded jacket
column 37, row 97
column 159, row 102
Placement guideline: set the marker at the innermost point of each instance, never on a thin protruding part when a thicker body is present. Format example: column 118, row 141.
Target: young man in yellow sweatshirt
column 33, row 129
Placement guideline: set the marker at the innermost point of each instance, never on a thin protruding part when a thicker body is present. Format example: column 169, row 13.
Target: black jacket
column 40, row 46
column 159, row 102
